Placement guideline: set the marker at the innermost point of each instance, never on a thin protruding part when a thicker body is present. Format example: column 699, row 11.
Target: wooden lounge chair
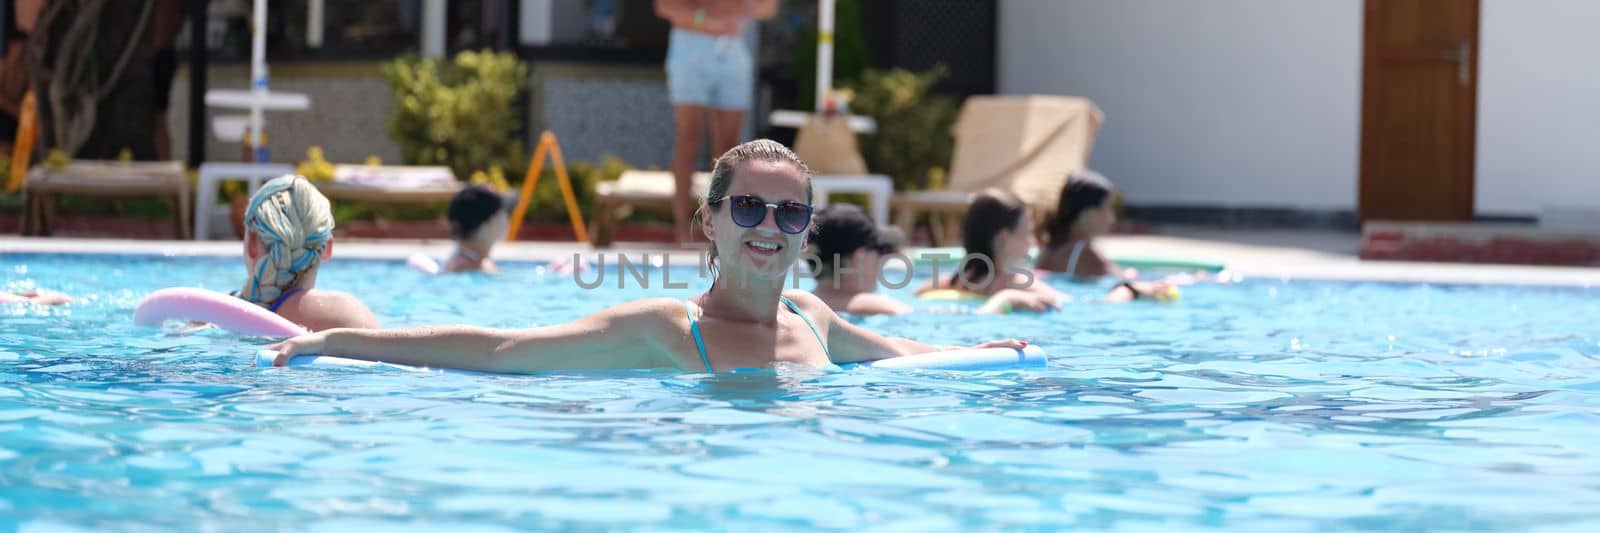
column 391, row 184
column 615, row 200
column 1026, row 144
column 166, row 179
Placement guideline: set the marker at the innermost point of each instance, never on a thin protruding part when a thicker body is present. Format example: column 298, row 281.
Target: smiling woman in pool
column 757, row 213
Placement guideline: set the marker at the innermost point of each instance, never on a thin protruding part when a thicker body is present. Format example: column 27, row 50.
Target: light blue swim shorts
column 710, row 71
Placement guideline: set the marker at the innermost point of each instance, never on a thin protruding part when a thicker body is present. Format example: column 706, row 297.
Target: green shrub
column 458, row 114
column 913, row 143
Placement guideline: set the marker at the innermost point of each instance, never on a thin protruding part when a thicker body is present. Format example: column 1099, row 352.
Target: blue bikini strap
column 694, row 327
column 284, row 298
column 807, row 318
column 700, row 343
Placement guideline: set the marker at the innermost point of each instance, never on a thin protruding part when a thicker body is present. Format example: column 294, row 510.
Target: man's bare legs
column 691, row 127
column 692, row 121
column 725, row 128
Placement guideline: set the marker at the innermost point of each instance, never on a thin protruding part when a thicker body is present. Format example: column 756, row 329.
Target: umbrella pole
column 824, row 52
column 258, row 81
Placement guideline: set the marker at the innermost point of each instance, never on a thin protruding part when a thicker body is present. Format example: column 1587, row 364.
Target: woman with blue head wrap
column 288, row 233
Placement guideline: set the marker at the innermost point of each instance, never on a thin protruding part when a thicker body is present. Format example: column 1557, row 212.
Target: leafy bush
column 458, row 114
column 913, row 143
column 316, row 167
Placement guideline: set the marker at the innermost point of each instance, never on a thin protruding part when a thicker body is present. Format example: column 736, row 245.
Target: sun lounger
column 391, row 184
column 1025, row 144
column 166, row 179
column 615, row 200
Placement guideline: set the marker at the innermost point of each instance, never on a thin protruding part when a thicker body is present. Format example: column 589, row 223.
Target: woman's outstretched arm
column 632, row 335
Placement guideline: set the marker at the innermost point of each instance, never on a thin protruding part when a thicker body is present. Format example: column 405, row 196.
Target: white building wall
column 1243, row 103
column 1538, row 106
column 1229, row 103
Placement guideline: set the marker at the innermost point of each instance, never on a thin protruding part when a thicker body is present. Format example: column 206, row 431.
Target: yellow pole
column 22, row 149
column 529, row 181
column 548, row 146
column 573, row 215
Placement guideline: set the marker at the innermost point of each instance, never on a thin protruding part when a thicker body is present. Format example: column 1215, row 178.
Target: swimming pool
column 1261, row 405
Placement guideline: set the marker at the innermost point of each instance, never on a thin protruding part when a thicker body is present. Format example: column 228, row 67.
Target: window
column 592, row 24
column 475, row 24
column 377, row 29
column 350, row 29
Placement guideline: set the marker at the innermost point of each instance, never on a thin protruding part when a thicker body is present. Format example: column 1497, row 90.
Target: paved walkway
column 1328, row 255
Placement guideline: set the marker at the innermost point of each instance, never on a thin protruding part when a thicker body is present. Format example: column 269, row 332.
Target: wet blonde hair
column 292, row 220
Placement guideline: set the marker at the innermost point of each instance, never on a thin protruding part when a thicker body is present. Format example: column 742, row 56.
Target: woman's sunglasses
column 749, row 210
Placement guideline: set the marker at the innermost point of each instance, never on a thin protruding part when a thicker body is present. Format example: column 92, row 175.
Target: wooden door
column 1418, row 109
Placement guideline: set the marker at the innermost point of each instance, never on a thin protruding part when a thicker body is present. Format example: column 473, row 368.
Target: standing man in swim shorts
column 709, row 79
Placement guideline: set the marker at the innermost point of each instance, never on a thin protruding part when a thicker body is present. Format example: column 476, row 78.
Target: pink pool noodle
column 226, row 312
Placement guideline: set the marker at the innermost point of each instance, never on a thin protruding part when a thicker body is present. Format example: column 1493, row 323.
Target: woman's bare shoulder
column 650, row 316
column 1052, row 258
column 651, row 308
column 318, row 310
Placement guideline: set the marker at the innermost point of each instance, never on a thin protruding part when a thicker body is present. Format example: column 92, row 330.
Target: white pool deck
column 1253, row 254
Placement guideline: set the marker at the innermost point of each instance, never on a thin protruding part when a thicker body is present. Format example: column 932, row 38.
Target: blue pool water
column 1265, row 405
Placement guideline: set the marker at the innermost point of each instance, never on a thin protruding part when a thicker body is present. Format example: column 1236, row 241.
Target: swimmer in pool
column 35, row 297
column 845, row 236
column 1083, row 213
column 999, row 226
column 850, row 249
column 477, row 221
column 288, row 233
column 756, row 216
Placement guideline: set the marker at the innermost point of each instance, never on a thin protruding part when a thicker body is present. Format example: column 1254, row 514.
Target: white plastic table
column 877, row 187
column 795, row 119
column 268, row 101
column 211, row 177
column 232, row 128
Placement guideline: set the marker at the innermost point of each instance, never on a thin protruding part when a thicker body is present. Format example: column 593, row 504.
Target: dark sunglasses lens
column 793, row 217
column 748, row 211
